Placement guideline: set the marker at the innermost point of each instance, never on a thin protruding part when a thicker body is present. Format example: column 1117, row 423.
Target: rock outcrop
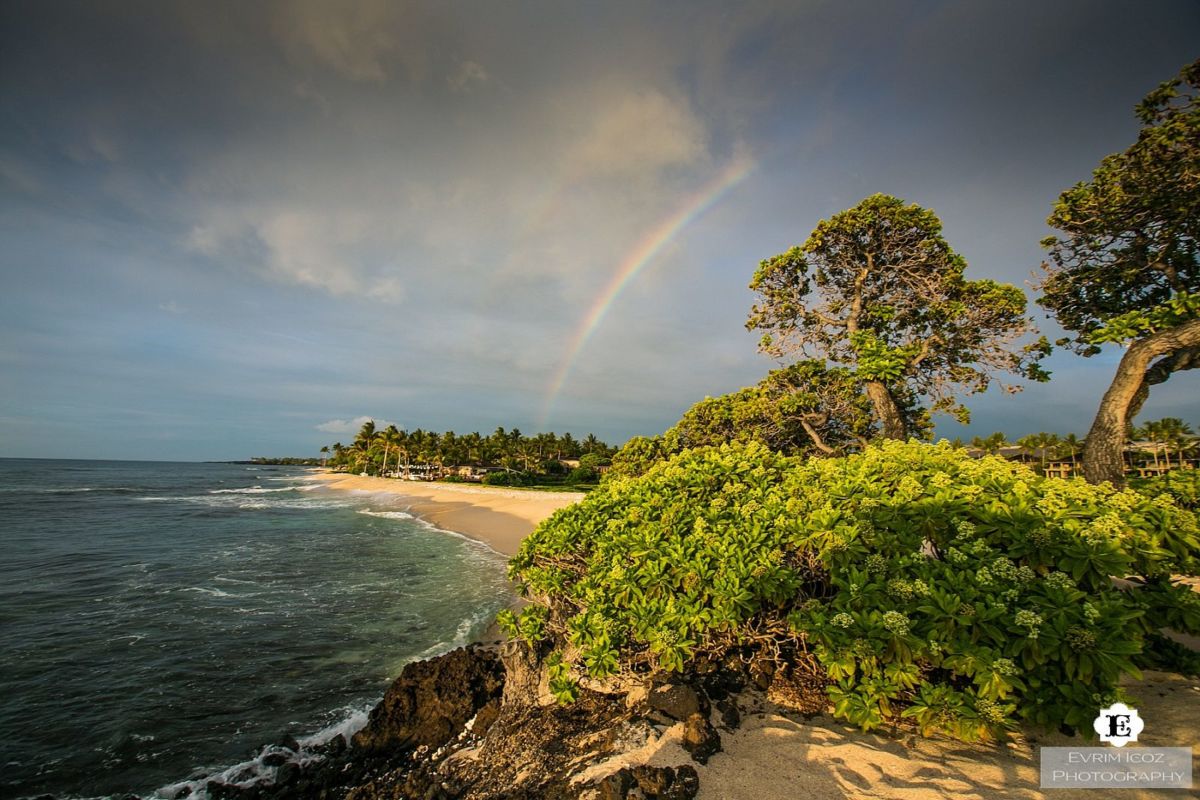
column 432, row 701
column 476, row 724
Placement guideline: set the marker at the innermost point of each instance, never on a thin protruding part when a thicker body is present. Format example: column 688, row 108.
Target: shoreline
column 499, row 517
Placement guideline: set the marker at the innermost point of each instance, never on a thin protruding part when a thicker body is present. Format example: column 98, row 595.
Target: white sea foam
column 133, row 637
column 255, row 490
column 213, row 592
column 223, row 579
column 389, row 514
column 355, row 720
column 239, row 500
column 462, row 637
column 252, row 771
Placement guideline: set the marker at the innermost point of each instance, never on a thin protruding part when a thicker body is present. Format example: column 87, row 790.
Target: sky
column 231, row 229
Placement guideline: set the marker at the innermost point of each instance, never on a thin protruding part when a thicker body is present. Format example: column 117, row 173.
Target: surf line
column 641, row 256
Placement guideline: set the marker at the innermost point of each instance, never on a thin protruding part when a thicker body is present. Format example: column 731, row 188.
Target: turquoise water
column 160, row 622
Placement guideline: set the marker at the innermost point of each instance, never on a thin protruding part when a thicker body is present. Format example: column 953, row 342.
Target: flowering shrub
column 962, row 594
column 1183, row 485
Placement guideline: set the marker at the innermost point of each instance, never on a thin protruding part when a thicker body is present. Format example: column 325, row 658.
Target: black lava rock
column 675, row 700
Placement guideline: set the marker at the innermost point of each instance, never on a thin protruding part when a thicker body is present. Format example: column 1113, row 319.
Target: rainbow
column 641, row 256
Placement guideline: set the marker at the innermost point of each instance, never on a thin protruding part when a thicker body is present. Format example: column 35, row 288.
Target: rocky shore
column 479, row 722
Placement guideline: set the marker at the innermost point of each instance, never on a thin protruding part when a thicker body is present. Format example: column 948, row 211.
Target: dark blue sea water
column 160, row 622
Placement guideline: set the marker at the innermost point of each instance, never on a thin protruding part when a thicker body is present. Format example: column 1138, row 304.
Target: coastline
column 498, row 517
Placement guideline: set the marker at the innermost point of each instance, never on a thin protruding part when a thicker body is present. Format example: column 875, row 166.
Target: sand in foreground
column 498, row 517
column 777, row 756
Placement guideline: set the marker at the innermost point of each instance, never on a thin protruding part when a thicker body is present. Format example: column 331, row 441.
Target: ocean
column 161, row 622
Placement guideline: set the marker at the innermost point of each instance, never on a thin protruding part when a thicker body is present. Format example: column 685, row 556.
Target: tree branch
column 1158, row 372
column 812, row 432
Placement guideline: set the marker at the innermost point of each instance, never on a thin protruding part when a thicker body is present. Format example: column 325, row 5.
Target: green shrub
column 508, row 479
column 583, row 475
column 806, row 409
column 1183, row 485
column 963, row 594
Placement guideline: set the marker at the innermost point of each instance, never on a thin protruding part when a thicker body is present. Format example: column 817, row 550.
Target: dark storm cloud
column 227, row 224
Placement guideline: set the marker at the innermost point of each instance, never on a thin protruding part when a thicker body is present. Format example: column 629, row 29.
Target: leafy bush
column 552, row 466
column 1183, row 485
column 594, row 461
column 508, row 479
column 804, row 409
column 963, row 594
column 583, row 475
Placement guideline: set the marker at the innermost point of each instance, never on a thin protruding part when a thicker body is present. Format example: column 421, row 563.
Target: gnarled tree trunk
column 1102, row 450
column 1187, row 358
column 886, row 411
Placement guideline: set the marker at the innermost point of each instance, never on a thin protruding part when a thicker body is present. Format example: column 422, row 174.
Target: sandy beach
column 499, row 517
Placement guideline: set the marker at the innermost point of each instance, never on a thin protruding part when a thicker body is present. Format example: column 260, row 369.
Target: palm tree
column 990, row 444
column 1071, row 446
column 473, row 448
column 568, row 445
column 364, row 440
column 1187, row 446
column 1153, row 433
column 1175, row 433
column 1047, row 443
column 324, row 454
column 390, row 438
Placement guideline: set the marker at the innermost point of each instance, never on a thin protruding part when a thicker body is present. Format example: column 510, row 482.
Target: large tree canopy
column 877, row 289
column 1124, row 267
column 803, row 409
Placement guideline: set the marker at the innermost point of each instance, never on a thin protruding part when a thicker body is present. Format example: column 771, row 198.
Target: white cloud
column 361, row 41
column 469, row 77
column 172, row 307
column 332, row 249
column 314, row 249
column 352, row 425
column 639, row 131
column 387, row 290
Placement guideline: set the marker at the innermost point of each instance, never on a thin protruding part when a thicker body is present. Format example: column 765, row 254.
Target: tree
column 990, row 444
column 1167, row 434
column 1152, row 433
column 391, row 438
column 364, row 440
column 805, row 408
column 1124, row 268
column 324, row 454
column 1070, row 446
column 1040, row 445
column 877, row 289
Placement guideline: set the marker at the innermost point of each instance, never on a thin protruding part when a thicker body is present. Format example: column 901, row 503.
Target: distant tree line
column 509, row 456
column 1165, row 443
